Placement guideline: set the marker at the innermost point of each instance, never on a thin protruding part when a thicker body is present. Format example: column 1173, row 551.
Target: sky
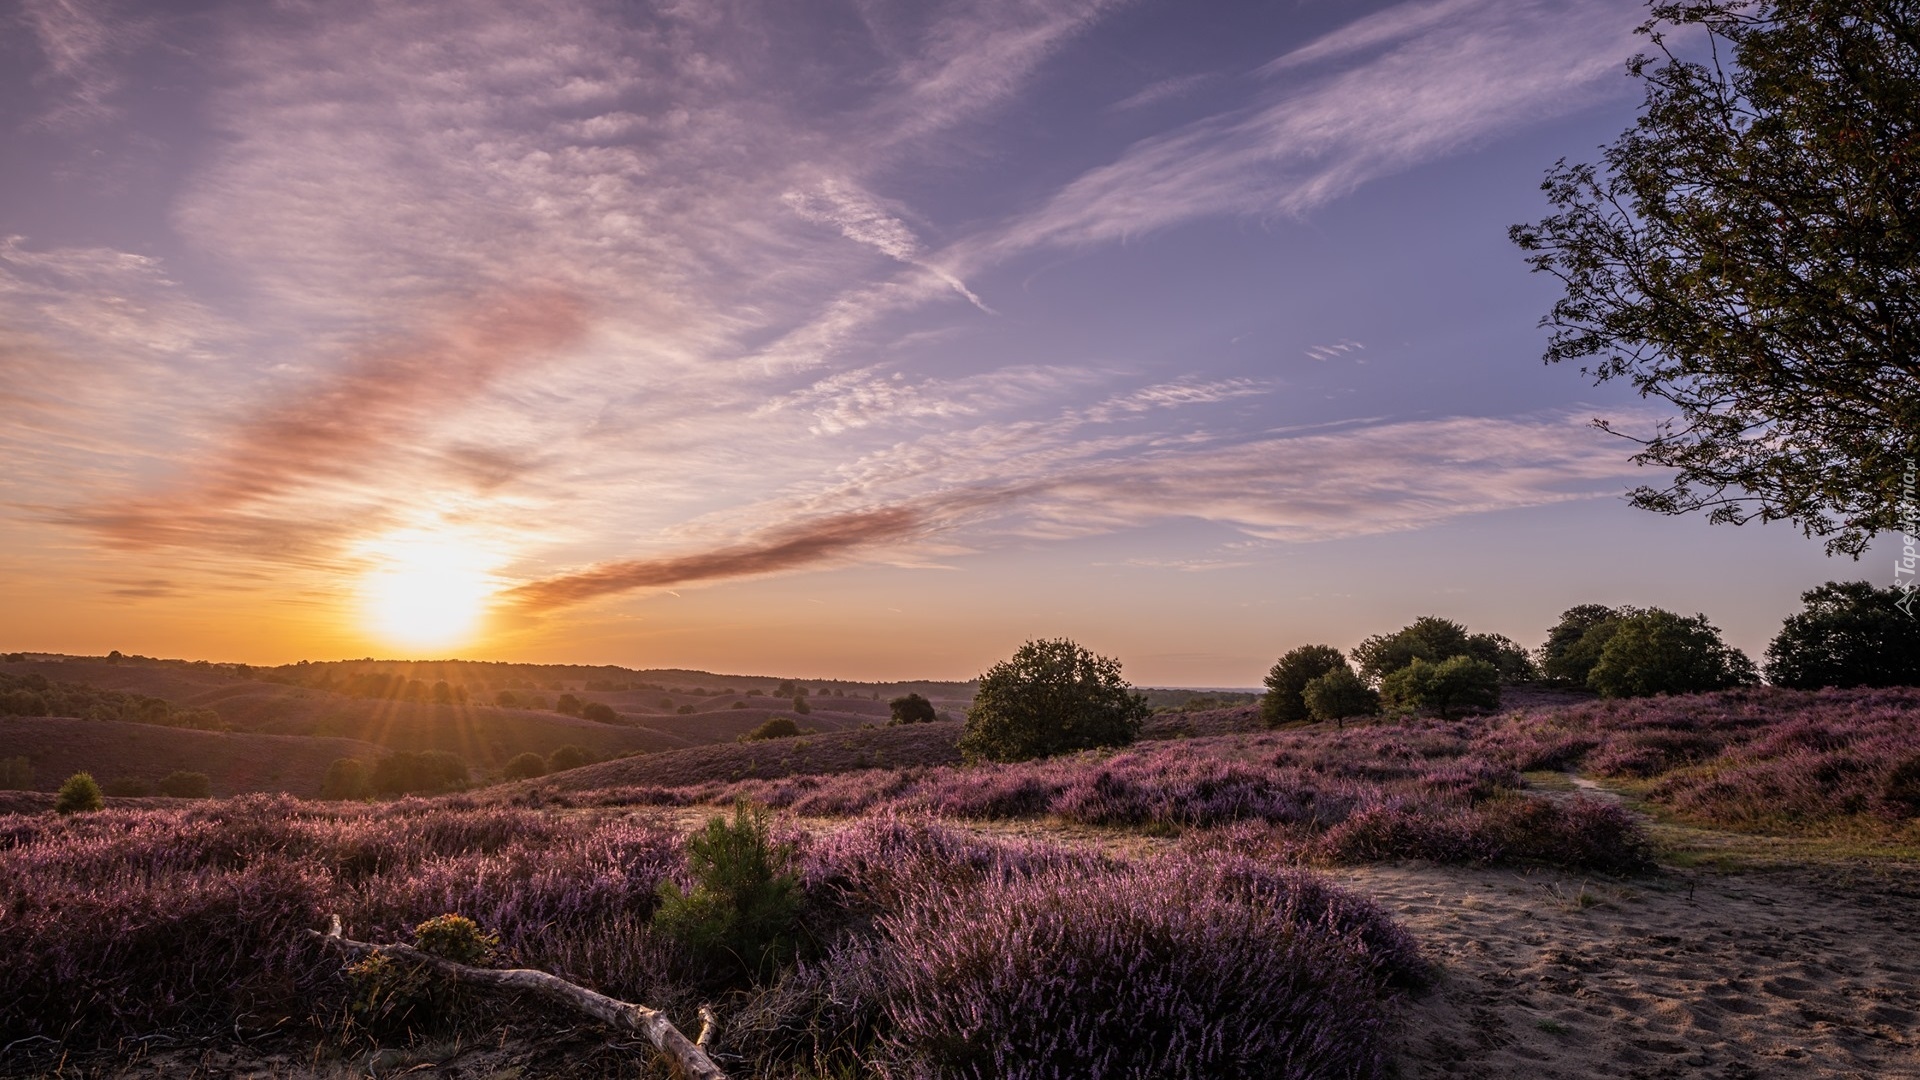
column 836, row 338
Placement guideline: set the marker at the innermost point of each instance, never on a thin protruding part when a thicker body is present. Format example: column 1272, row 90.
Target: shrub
column 1428, row 638
column 800, row 704
column 1284, row 702
column 426, row 772
column 79, row 794
column 570, row 757
column 778, row 727
column 1051, row 697
column 1339, row 694
column 1658, row 652
column 391, row 993
column 347, row 778
column 1459, row 682
column 181, row 784
column 738, row 705
column 684, row 710
column 506, row 699
column 127, row 787
column 1176, row 968
column 911, row 709
column 16, row 774
column 599, row 711
column 524, row 767
column 567, row 705
column 742, row 914
column 1850, row 634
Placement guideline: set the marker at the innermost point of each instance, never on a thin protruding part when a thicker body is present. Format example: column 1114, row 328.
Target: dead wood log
column 689, row 1059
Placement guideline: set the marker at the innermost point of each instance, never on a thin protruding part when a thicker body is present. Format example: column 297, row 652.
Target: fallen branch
column 690, row 1059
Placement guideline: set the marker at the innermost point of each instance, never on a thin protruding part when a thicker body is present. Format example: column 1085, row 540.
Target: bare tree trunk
column 689, row 1059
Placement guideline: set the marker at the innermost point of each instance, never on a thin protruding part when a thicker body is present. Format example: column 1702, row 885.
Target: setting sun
column 425, row 590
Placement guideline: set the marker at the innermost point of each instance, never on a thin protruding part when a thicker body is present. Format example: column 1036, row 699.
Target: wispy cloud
column 1338, row 349
column 1164, row 90
column 861, row 219
column 81, row 40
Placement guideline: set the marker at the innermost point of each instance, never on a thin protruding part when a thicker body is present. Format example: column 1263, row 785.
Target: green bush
column 567, row 705
column 347, row 778
column 1850, row 634
column 1339, row 694
column 79, row 794
column 391, row 994
column 1658, row 652
column 778, row 727
column 684, row 710
column 1287, row 681
column 1457, row 682
column 599, row 711
column 742, row 915
column 427, row 772
column 570, row 757
column 525, row 767
column 181, row 784
column 911, row 709
column 800, row 705
column 1050, row 698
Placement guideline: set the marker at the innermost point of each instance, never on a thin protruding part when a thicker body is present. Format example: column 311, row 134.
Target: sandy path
column 1768, row 974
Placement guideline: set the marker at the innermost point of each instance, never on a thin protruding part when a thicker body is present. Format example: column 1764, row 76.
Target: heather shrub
column 1284, row 701
column 741, row 916
column 524, row 767
column 79, row 794
column 181, row 784
column 1849, row 634
column 1658, row 652
column 1171, row 968
column 1900, row 794
column 347, row 778
column 1339, row 694
column 1049, row 698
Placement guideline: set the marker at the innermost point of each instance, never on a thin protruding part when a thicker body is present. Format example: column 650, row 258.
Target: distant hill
column 112, row 750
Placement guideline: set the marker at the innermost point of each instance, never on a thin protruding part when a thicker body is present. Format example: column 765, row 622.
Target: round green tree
column 1339, row 694
column 1428, row 638
column 1049, row 698
column 1457, row 682
column 1849, row 634
column 1658, row 652
column 911, row 709
column 1287, row 681
column 524, row 767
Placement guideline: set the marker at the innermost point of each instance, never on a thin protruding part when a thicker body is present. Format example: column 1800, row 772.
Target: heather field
column 1506, row 895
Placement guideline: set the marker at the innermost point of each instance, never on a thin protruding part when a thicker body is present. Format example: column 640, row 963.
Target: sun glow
column 426, row 589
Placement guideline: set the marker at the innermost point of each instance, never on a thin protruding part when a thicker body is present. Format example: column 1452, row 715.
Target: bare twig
column 689, row 1059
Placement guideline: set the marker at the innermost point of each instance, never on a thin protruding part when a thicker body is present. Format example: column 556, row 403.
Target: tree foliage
column 1750, row 255
column 1284, row 701
column 1458, row 682
column 1849, row 634
column 570, row 757
column 524, row 766
column 1658, row 652
column 425, row 772
column 911, row 709
column 1573, row 645
column 1051, row 697
column 1338, row 694
column 81, row 793
column 1428, row 638
column 347, row 778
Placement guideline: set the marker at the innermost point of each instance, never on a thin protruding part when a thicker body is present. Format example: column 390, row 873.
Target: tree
column 426, row 772
column 1428, row 638
column 777, row 727
column 181, row 784
column 741, row 916
column 1051, row 697
column 1850, row 634
column 1460, row 681
column 1506, row 656
column 1750, row 257
column 568, row 705
column 346, row 779
column 599, row 711
column 911, row 709
column 524, row 766
column 1573, row 645
column 1658, row 652
column 78, row 795
column 1339, row 694
column 1287, row 681
column 570, row 757
column 800, row 704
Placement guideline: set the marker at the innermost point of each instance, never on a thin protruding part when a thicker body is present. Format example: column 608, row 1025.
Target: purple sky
column 855, row 339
